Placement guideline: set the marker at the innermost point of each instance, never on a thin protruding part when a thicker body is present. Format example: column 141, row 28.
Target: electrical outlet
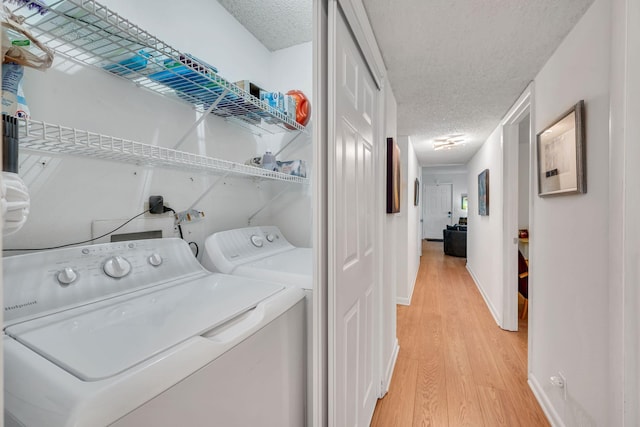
column 561, row 382
column 564, row 385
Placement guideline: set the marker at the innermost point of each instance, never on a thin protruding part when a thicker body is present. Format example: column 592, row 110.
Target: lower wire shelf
column 53, row 139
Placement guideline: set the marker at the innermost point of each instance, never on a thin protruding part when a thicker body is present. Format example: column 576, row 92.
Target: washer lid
column 116, row 335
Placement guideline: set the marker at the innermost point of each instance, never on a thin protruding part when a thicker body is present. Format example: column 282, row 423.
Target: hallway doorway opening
column 517, row 148
column 524, row 132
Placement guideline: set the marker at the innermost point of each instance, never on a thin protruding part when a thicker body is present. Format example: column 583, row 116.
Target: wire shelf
column 90, row 33
column 55, row 139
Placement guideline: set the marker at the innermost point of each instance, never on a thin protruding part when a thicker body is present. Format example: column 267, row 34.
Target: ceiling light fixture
column 448, row 142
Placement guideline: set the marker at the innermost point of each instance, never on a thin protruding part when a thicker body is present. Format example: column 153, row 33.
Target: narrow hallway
column 456, row 366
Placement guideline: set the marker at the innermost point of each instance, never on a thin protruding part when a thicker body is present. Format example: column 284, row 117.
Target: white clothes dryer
column 259, row 252
column 139, row 334
column 264, row 253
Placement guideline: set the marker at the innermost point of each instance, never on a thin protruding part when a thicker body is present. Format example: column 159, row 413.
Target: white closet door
column 352, row 239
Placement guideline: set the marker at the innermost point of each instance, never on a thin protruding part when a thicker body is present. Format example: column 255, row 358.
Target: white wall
column 455, row 175
column 80, row 190
column 390, row 259
column 292, row 61
column 414, row 232
column 407, row 243
column 484, row 235
column 569, row 313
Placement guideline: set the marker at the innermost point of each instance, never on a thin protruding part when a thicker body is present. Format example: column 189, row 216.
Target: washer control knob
column 67, row 276
column 270, row 238
column 155, row 259
column 257, row 241
column 117, row 267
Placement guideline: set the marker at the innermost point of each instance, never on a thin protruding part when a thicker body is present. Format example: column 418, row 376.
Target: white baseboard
column 407, row 300
column 391, row 364
column 403, row 300
column 545, row 402
column 487, row 301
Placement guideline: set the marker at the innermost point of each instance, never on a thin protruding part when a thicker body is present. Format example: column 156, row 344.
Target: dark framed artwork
column 483, row 193
column 416, row 192
column 562, row 155
column 393, row 176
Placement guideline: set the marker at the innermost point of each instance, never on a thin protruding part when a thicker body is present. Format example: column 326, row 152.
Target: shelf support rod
column 201, row 119
column 288, row 143
column 267, row 204
column 208, row 190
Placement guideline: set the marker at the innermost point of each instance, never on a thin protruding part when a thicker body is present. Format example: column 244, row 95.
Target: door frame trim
column 522, row 107
column 331, row 214
column 624, row 231
column 358, row 21
column 318, row 389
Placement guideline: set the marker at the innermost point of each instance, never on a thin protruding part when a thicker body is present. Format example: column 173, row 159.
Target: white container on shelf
column 269, row 161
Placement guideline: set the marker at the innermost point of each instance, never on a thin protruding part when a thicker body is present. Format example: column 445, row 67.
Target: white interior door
column 437, row 209
column 512, row 144
column 352, row 237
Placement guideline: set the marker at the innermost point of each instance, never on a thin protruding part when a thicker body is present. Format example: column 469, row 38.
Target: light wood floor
column 456, row 367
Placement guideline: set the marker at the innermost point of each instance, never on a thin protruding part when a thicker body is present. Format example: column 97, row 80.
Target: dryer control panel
column 50, row 281
column 225, row 250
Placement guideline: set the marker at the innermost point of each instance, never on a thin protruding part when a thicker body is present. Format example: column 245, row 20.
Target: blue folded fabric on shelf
column 188, row 78
column 189, row 84
column 128, row 65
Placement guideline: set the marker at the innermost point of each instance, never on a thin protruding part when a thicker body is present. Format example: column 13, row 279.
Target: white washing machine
column 139, row 334
column 264, row 253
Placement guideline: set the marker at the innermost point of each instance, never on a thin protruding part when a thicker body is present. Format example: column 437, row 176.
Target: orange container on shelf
column 303, row 107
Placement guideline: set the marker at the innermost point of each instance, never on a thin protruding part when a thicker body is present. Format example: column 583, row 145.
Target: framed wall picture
column 483, row 193
column 562, row 155
column 416, row 192
column 393, row 176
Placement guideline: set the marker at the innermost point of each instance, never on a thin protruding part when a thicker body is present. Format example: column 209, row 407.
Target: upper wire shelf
column 90, row 33
column 55, row 139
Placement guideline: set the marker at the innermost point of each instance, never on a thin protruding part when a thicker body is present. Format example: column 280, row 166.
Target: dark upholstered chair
column 455, row 241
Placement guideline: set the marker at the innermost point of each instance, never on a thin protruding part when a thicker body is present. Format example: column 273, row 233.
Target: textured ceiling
column 276, row 23
column 456, row 66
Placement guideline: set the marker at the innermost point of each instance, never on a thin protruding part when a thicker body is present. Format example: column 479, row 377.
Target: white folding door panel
column 352, row 193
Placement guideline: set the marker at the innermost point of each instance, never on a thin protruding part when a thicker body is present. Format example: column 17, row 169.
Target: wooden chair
column 523, row 282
